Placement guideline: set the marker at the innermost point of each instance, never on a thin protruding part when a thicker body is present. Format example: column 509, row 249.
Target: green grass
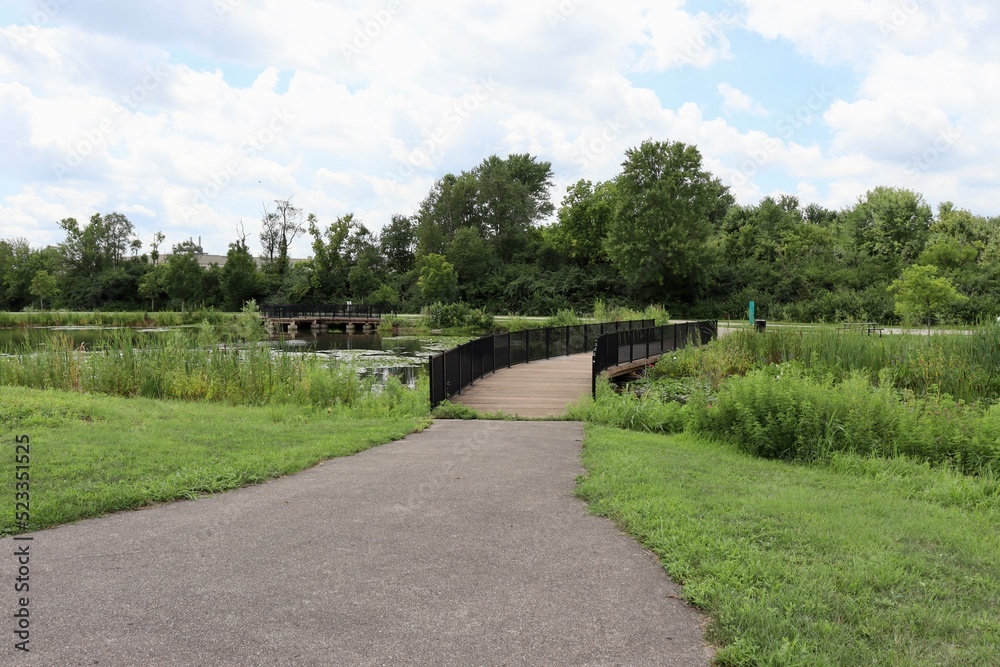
column 64, row 318
column 91, row 454
column 859, row 562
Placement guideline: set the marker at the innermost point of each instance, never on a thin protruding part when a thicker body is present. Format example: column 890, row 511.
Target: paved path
column 539, row 389
column 461, row 545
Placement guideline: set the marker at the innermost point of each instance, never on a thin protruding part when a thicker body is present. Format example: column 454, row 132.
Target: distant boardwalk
column 320, row 318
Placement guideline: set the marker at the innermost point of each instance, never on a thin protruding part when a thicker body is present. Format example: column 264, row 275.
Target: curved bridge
column 536, row 373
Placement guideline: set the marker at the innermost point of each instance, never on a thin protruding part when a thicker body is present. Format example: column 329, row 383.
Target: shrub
column 456, row 315
column 629, row 411
column 563, row 318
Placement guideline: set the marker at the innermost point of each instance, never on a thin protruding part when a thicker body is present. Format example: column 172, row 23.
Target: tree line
column 663, row 231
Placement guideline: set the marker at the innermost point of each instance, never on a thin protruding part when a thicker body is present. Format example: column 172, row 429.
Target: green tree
column 398, row 244
column 667, row 207
column 44, row 286
column 239, row 276
column 331, row 261
column 438, row 279
column 891, row 224
column 502, row 198
column 151, row 285
column 470, row 256
column 585, row 217
column 182, row 279
column 920, row 293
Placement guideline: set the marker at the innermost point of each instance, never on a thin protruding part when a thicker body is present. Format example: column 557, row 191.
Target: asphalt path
column 462, row 545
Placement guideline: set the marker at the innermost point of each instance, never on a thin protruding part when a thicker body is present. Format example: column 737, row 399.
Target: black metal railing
column 327, row 311
column 456, row 369
column 624, row 347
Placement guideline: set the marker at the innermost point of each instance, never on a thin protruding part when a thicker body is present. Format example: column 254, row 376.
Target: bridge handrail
column 620, row 347
column 455, row 369
column 305, row 311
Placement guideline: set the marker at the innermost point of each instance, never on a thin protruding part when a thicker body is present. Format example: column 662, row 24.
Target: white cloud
column 736, row 101
column 192, row 119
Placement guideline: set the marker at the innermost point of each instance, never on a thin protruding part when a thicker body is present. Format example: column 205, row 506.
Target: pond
column 404, row 357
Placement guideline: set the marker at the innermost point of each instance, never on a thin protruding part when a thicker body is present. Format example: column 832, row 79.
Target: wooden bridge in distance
column 294, row 319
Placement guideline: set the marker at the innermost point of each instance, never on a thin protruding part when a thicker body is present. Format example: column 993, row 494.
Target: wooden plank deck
column 539, row 389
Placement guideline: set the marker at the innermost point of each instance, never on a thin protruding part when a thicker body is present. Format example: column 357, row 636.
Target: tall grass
column 965, row 366
column 786, row 414
column 109, row 319
column 126, row 363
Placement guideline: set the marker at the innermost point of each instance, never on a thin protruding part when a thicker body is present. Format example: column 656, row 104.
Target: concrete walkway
column 461, row 545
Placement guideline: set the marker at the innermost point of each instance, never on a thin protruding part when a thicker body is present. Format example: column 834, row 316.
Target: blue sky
column 190, row 118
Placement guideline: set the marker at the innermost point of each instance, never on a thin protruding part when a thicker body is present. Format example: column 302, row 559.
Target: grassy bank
column 857, row 562
column 65, row 318
column 95, row 454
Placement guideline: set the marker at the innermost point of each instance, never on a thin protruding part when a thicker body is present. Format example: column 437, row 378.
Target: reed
column 178, row 366
column 965, row 366
column 56, row 318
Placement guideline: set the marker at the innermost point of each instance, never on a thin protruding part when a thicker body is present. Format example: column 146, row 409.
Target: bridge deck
column 538, row 389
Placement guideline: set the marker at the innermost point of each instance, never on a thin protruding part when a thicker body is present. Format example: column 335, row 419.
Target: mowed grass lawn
column 93, row 454
column 870, row 562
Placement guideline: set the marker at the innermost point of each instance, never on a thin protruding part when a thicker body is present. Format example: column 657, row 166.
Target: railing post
column 593, row 369
column 547, row 332
column 509, row 355
column 527, row 347
column 567, row 341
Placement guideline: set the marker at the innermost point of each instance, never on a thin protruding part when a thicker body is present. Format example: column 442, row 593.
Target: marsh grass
column 176, row 366
column 56, row 318
column 94, row 454
column 965, row 366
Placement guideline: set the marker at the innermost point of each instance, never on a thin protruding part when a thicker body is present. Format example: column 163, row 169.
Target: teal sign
column 753, row 313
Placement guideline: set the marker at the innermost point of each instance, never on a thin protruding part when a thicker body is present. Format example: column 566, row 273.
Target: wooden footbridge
column 321, row 318
column 537, row 373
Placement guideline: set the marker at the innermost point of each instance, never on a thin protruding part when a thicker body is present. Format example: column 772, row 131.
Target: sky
column 192, row 116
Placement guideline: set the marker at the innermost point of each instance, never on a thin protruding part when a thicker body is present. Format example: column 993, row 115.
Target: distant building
column 205, row 260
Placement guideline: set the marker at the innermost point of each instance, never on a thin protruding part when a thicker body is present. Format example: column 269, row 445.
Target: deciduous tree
column 920, row 293
column 667, row 207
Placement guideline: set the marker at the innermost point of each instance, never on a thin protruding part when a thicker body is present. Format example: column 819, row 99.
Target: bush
column 456, row 315
column 629, row 411
column 784, row 413
column 563, row 318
